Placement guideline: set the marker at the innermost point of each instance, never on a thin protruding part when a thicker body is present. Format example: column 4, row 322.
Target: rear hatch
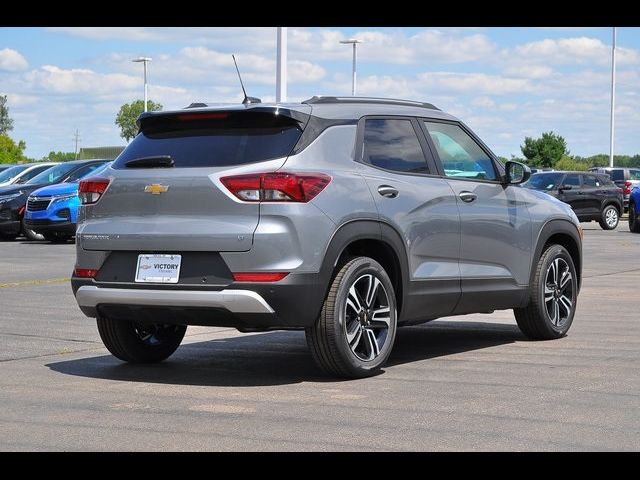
column 165, row 193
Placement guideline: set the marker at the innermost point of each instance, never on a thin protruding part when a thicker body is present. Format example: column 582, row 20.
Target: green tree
column 571, row 164
column 545, row 151
column 6, row 123
column 10, row 152
column 129, row 113
column 59, row 157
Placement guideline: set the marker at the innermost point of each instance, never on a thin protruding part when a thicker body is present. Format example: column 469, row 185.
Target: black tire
column 31, row 234
column 535, row 320
column 610, row 218
column 328, row 337
column 634, row 221
column 136, row 344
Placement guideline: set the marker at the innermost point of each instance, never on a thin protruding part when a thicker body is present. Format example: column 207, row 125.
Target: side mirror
column 516, row 172
column 565, row 187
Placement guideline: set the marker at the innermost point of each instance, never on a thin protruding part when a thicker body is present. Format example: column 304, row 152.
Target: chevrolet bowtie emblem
column 156, row 189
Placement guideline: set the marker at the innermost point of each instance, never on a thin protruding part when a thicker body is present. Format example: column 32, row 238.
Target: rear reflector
column 276, row 186
column 259, row 277
column 627, row 188
column 85, row 273
column 91, row 190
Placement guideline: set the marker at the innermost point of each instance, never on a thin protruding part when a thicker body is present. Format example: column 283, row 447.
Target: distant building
column 107, row 153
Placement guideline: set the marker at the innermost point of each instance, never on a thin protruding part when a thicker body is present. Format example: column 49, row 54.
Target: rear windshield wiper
column 160, row 161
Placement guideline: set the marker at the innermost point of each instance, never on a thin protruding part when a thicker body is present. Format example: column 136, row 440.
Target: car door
column 411, row 197
column 496, row 238
column 593, row 194
column 573, row 196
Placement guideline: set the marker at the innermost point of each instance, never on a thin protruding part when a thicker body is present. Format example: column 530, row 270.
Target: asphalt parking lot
column 465, row 383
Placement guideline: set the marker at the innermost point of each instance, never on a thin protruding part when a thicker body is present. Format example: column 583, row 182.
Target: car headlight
column 64, row 197
column 8, row 198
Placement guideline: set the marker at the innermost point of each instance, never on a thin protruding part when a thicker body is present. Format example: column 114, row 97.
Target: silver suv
column 346, row 217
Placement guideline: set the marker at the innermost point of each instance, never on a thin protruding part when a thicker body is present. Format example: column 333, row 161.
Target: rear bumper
column 292, row 303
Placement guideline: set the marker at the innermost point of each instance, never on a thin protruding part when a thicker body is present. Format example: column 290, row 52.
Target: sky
column 505, row 83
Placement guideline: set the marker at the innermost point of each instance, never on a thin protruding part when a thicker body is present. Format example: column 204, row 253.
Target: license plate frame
column 148, row 268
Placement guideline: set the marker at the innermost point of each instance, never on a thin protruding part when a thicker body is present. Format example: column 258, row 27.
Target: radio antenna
column 247, row 100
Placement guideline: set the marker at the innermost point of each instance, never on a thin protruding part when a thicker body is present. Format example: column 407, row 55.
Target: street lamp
column 143, row 60
column 353, row 42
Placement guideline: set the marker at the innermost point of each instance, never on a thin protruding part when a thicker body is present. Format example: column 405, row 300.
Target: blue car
column 634, row 210
column 52, row 211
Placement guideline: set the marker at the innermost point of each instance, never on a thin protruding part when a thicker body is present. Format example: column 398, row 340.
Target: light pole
column 353, row 42
column 281, row 65
column 613, row 96
column 143, row 60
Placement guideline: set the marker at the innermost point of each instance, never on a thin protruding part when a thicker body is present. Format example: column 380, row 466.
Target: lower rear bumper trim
column 235, row 301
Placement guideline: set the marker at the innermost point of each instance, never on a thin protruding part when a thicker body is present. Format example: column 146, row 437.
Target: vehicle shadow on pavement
column 280, row 358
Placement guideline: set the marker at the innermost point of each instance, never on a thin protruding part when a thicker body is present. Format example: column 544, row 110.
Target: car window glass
column 392, row 144
column 84, row 171
column 461, row 156
column 11, row 172
column 543, row 181
column 590, row 181
column 616, row 174
column 53, row 174
column 33, row 173
column 634, row 174
column 573, row 180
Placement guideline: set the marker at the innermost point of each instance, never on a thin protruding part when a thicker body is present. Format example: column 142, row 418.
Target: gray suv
column 345, row 217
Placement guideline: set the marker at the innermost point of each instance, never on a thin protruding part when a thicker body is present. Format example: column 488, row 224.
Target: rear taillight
column 91, row 190
column 259, row 276
column 627, row 188
column 85, row 273
column 276, row 186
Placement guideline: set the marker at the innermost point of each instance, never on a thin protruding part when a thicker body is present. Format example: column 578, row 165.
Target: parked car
column 634, row 210
column 13, row 198
column 592, row 196
column 335, row 215
column 625, row 178
column 19, row 174
column 53, row 211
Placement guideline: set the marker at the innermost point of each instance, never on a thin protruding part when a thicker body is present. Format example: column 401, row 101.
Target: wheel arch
column 561, row 232
column 374, row 239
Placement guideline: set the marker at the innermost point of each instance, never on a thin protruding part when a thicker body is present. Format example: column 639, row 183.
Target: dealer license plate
column 158, row 268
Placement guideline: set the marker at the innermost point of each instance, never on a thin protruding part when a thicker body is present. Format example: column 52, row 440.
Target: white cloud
column 567, row 51
column 475, row 83
column 12, row 61
column 80, row 80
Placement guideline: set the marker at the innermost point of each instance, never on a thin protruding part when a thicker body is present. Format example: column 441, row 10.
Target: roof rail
column 386, row 101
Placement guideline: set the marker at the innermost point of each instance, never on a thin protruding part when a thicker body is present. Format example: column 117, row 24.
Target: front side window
column 543, row 181
column 392, row 144
column 461, row 156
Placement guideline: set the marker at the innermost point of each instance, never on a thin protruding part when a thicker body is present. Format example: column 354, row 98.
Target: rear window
column 616, row 175
column 214, row 139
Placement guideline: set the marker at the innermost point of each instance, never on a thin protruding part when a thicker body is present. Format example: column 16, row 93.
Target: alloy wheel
column 367, row 317
column 558, row 292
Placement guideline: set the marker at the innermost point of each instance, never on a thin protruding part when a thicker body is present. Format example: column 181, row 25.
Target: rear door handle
column 387, row 191
column 468, row 197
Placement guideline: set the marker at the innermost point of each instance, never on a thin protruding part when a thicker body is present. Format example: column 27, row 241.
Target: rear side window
column 572, row 179
column 214, row 139
column 590, row 181
column 616, row 174
column 392, row 144
column 461, row 156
